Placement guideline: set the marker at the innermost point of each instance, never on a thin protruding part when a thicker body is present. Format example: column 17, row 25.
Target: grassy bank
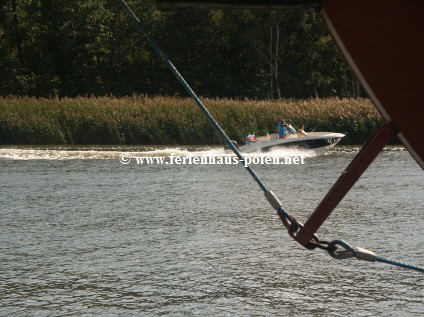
column 160, row 120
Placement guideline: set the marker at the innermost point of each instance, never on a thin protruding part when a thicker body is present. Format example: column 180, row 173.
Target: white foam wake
column 113, row 152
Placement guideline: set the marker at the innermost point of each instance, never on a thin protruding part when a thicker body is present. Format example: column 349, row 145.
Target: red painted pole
column 345, row 182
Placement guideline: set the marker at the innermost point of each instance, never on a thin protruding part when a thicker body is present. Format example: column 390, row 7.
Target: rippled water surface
column 82, row 234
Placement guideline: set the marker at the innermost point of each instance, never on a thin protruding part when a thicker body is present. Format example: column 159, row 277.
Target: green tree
column 75, row 47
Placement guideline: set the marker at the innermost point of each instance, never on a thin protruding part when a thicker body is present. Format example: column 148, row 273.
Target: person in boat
column 301, row 132
column 251, row 138
column 282, row 129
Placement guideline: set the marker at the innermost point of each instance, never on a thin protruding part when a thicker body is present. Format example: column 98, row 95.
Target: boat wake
column 113, row 152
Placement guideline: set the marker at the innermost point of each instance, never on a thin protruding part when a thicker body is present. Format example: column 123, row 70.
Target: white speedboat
column 319, row 142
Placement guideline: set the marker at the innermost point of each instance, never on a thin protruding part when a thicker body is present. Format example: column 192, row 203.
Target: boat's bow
column 313, row 141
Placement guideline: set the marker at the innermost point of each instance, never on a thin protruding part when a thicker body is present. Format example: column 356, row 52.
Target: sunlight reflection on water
column 94, row 237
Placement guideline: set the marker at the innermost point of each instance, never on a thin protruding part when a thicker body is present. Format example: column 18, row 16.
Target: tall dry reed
column 167, row 120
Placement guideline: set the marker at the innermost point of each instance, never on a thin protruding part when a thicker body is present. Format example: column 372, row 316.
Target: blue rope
column 347, row 251
column 400, row 264
column 186, row 86
column 281, row 212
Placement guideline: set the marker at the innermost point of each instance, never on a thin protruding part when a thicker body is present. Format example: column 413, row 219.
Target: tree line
column 58, row 48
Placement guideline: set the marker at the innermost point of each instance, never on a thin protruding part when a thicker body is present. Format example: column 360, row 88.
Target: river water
column 83, row 235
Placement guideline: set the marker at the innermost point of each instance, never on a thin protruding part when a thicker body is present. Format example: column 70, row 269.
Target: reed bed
column 167, row 120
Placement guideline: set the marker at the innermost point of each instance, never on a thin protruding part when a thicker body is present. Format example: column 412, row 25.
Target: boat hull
column 319, row 142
